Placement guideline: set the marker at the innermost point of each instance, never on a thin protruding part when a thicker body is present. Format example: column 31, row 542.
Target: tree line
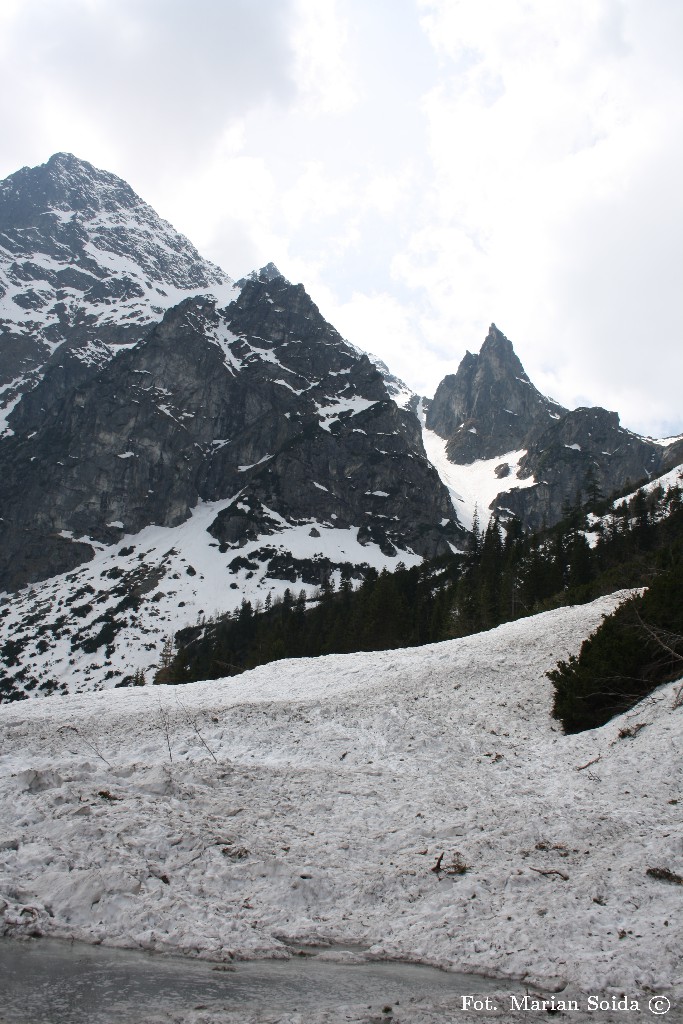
column 508, row 573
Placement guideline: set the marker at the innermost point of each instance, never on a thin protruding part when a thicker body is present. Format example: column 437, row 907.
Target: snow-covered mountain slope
column 605, row 525
column 309, row 801
column 86, row 263
column 98, row 625
column 474, row 486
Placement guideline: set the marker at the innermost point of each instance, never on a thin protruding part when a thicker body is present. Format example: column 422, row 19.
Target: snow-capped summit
column 83, row 260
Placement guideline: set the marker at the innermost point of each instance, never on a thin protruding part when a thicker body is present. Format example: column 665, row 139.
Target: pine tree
column 476, row 531
column 592, row 487
column 164, row 673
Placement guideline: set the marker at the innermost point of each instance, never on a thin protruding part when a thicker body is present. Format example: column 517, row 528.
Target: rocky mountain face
column 85, row 263
column 261, row 401
column 176, row 443
column 490, row 408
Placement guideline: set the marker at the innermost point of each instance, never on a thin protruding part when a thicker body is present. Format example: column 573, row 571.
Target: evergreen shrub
column 636, row 649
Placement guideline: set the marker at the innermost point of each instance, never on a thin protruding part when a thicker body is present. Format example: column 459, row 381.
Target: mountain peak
column 266, row 274
column 84, row 259
column 489, row 406
column 269, row 272
column 496, row 343
column 64, row 183
column 70, row 162
column 495, row 336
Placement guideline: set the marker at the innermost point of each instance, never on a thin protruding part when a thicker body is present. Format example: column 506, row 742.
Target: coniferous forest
column 597, row 548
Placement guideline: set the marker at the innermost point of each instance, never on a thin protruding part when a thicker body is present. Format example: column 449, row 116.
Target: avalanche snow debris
column 360, row 772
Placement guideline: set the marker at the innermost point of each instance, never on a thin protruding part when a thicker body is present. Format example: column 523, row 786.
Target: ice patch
column 243, row 469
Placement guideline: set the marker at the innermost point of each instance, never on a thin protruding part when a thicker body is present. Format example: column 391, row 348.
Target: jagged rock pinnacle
column 490, row 405
column 269, row 272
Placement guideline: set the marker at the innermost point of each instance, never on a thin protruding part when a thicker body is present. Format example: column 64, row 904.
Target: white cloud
column 317, row 195
column 425, row 167
column 383, row 325
column 554, row 170
column 156, row 78
column 322, row 68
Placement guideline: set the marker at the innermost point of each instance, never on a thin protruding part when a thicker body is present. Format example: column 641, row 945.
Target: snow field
column 474, row 487
column 307, row 802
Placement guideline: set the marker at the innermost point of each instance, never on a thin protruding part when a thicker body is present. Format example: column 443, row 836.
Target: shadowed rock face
column 490, row 407
column 585, row 453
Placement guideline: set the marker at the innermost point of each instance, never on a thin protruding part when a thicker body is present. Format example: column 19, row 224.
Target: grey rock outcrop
column 585, row 453
column 489, row 406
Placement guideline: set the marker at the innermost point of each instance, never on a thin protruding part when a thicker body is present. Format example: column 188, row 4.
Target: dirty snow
column 308, row 801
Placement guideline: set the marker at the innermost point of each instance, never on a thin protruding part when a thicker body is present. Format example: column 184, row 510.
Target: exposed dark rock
column 262, row 400
column 490, row 408
column 585, row 453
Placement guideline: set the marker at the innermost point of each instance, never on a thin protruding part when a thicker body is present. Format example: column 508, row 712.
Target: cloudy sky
column 424, row 167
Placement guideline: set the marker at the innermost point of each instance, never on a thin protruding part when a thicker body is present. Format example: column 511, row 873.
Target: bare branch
column 192, row 722
column 656, row 634
column 588, row 763
column 91, row 744
column 166, row 727
column 560, row 874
